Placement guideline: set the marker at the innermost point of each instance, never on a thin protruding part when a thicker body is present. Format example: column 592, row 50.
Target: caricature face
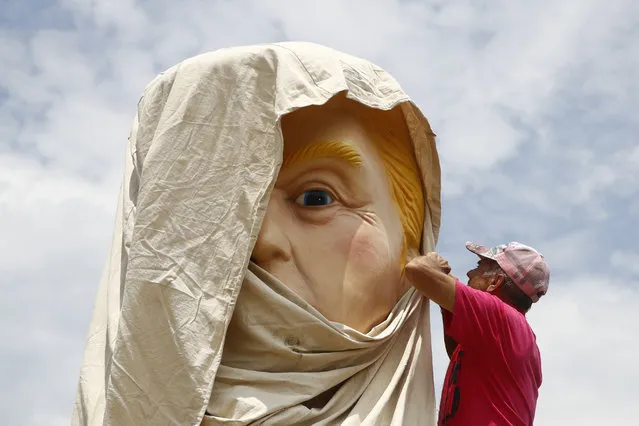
column 332, row 232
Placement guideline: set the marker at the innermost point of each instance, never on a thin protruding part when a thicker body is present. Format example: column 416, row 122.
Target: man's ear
column 497, row 282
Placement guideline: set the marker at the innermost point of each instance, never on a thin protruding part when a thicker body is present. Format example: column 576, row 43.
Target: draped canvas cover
column 202, row 158
column 280, row 353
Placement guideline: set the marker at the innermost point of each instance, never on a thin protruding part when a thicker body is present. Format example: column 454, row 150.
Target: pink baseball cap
column 524, row 265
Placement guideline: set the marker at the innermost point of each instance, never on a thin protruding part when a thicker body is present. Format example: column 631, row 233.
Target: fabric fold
column 285, row 357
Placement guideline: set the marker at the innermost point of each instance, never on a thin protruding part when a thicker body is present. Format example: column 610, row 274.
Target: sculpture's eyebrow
column 325, row 149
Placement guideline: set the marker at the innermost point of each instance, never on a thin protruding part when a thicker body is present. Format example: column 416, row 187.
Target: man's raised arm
column 430, row 275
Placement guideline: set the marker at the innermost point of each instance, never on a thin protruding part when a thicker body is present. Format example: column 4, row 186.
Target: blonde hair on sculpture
column 324, row 149
column 390, row 134
column 392, row 139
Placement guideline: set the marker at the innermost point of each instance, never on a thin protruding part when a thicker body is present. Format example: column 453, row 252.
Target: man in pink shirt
column 495, row 368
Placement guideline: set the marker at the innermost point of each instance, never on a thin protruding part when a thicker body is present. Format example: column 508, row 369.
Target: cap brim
column 480, row 250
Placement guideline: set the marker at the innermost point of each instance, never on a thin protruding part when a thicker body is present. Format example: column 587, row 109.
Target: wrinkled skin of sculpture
column 332, row 232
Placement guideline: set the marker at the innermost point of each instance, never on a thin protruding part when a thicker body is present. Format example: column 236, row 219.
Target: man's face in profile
column 332, row 232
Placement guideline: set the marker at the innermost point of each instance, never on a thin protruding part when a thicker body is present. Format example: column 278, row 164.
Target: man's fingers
column 438, row 260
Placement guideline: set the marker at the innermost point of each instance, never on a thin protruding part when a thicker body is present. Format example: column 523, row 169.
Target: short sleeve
column 478, row 316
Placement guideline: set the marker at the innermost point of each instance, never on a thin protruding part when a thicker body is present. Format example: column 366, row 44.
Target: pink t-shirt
column 495, row 373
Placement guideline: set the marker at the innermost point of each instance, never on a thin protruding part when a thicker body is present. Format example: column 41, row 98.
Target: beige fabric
column 203, row 155
column 280, row 352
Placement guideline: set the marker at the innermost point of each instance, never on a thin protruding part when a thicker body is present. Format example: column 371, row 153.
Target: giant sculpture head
column 272, row 195
column 347, row 210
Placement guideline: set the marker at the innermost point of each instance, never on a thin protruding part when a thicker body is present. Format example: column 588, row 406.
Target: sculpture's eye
column 314, row 198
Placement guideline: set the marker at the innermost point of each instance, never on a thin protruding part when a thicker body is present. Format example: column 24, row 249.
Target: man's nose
column 272, row 242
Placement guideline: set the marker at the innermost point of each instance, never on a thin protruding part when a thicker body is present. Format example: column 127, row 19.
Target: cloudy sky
column 534, row 103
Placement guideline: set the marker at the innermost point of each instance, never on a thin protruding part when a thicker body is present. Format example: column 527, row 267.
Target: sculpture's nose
column 272, row 242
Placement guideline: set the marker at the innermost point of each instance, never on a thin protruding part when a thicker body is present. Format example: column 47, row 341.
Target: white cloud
column 625, row 260
column 55, row 234
column 588, row 353
column 571, row 251
column 533, row 102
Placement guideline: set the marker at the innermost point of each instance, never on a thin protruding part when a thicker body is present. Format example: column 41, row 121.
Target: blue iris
column 314, row 198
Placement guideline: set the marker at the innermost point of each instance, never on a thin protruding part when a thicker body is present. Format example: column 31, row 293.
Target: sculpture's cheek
column 374, row 255
column 370, row 247
column 374, row 240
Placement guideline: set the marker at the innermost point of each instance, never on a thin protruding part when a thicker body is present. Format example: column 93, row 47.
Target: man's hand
column 440, row 290
column 430, row 275
column 437, row 261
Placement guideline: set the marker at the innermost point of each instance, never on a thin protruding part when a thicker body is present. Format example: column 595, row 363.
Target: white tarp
column 203, row 155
